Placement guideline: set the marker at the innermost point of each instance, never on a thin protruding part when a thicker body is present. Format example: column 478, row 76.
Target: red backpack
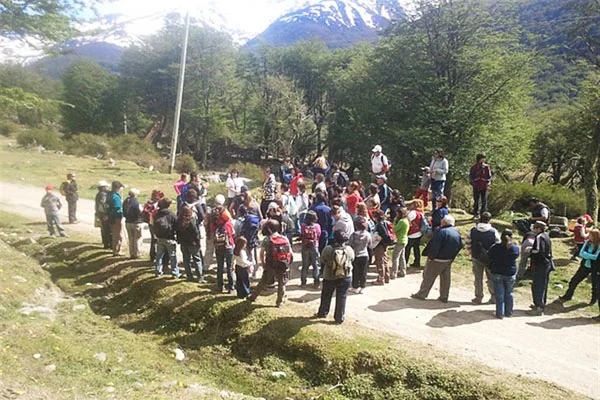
column 309, row 236
column 280, row 252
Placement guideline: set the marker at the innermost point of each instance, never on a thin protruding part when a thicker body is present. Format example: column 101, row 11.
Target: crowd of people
column 339, row 226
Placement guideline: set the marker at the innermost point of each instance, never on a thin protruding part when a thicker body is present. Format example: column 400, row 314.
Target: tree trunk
column 590, row 174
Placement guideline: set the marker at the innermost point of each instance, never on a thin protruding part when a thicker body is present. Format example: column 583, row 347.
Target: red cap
column 588, row 218
column 49, row 187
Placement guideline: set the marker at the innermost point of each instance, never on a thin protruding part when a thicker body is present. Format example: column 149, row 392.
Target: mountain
column 339, row 23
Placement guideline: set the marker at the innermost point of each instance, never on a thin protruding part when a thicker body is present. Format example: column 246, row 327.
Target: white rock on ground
column 100, row 357
column 50, row 368
column 37, row 356
column 19, row 279
column 179, row 355
column 79, row 307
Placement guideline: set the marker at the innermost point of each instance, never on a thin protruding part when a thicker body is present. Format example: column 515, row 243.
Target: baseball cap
column 49, row 187
column 376, row 149
column 219, row 199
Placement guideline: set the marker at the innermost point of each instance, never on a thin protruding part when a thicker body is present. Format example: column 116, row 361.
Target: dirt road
column 557, row 347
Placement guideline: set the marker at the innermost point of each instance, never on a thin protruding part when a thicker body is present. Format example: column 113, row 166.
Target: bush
column 46, row 137
column 185, row 164
column 7, row 128
column 87, row 144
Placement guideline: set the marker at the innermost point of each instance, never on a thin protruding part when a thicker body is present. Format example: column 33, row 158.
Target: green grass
column 230, row 344
column 29, row 167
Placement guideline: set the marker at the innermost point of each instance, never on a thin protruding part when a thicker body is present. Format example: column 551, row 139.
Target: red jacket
column 294, row 184
column 480, row 176
column 352, row 201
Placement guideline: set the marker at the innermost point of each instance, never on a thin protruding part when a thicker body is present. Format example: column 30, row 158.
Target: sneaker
column 563, row 298
column 440, row 299
column 401, row 275
column 536, row 312
column 499, row 316
column 416, row 296
column 359, row 290
column 476, row 300
column 201, row 280
column 492, row 300
column 378, row 283
column 52, row 235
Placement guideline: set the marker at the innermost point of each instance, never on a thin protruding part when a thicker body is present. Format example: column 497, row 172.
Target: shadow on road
column 453, row 318
column 401, row 303
column 560, row 323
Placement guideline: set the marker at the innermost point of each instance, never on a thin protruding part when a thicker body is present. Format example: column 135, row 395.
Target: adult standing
column 296, row 180
column 198, row 186
column 165, row 223
column 539, row 213
column 324, row 219
column 479, row 241
column 380, row 165
column 543, row 264
column 115, row 215
column 337, row 276
column 133, row 223
column 101, row 213
column 440, row 212
column 480, row 178
column 69, row 190
column 234, row 186
column 224, row 243
column 443, row 249
column 589, row 253
column 381, row 241
column 353, row 198
column 150, row 209
column 320, row 165
column 342, row 221
column 384, row 192
column 438, row 170
column 503, row 267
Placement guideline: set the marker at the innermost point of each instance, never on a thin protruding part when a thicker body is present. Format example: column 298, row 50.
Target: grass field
column 229, row 344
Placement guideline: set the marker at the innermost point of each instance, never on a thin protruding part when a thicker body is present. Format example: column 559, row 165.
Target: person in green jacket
column 401, row 225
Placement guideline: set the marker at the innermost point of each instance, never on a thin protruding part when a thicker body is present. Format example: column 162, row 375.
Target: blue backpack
column 249, row 230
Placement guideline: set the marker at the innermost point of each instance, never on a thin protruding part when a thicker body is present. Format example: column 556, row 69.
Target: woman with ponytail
column 503, row 267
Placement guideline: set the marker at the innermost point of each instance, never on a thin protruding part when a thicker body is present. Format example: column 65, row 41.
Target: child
column 164, row 229
column 310, row 232
column 51, row 205
column 423, row 191
column 178, row 186
column 360, row 241
column 526, row 246
column 243, row 268
column 581, row 235
column 223, row 243
column 188, row 238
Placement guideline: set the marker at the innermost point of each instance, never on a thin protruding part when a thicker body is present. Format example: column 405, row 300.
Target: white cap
column 272, row 206
column 103, row 184
column 377, row 149
column 134, row 191
column 219, row 199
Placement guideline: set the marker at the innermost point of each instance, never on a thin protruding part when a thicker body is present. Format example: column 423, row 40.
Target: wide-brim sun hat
column 103, row 184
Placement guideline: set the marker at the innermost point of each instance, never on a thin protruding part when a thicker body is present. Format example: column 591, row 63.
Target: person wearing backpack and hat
column 380, row 165
column 310, row 232
column 337, row 276
column 69, row 189
column 479, row 241
column 542, row 264
column 223, row 242
column 133, row 223
column 165, row 223
column 276, row 258
column 101, row 213
column 51, row 205
column 115, row 215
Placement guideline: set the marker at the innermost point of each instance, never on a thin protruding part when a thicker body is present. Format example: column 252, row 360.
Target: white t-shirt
column 233, row 185
column 377, row 164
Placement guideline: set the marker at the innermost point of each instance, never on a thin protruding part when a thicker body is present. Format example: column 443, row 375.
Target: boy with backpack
column 337, row 276
column 249, row 230
column 164, row 229
column 276, row 257
column 384, row 236
column 310, row 232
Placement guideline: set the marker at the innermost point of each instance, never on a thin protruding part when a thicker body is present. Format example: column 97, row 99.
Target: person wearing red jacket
column 298, row 177
column 480, row 178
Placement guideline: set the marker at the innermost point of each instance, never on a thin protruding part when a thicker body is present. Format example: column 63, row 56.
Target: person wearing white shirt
column 380, row 164
column 234, row 185
column 439, row 169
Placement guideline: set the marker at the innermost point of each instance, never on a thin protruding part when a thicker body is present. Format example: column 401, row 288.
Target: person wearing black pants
column 589, row 253
column 541, row 257
column 414, row 244
column 337, row 277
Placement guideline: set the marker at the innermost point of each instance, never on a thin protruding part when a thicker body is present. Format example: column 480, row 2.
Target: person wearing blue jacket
column 115, row 216
column 503, row 268
column 440, row 252
column 323, row 218
column 439, row 213
column 590, row 251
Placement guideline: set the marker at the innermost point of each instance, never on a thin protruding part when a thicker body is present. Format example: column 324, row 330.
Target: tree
column 93, row 93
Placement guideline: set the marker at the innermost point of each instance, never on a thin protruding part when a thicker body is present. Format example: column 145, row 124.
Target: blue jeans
column 191, row 255
column 224, row 258
column 503, row 288
column 340, row 287
column 323, row 240
column 310, row 256
column 242, row 282
column 166, row 246
column 437, row 191
column 50, row 221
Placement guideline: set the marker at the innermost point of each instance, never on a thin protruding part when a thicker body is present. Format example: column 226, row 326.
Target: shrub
column 87, row 144
column 185, row 164
column 46, row 137
column 7, row 128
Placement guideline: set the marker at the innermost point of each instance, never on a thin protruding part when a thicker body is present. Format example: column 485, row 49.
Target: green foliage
column 87, row 144
column 93, row 94
column 8, row 128
column 250, row 171
column 28, row 108
column 44, row 136
column 185, row 163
